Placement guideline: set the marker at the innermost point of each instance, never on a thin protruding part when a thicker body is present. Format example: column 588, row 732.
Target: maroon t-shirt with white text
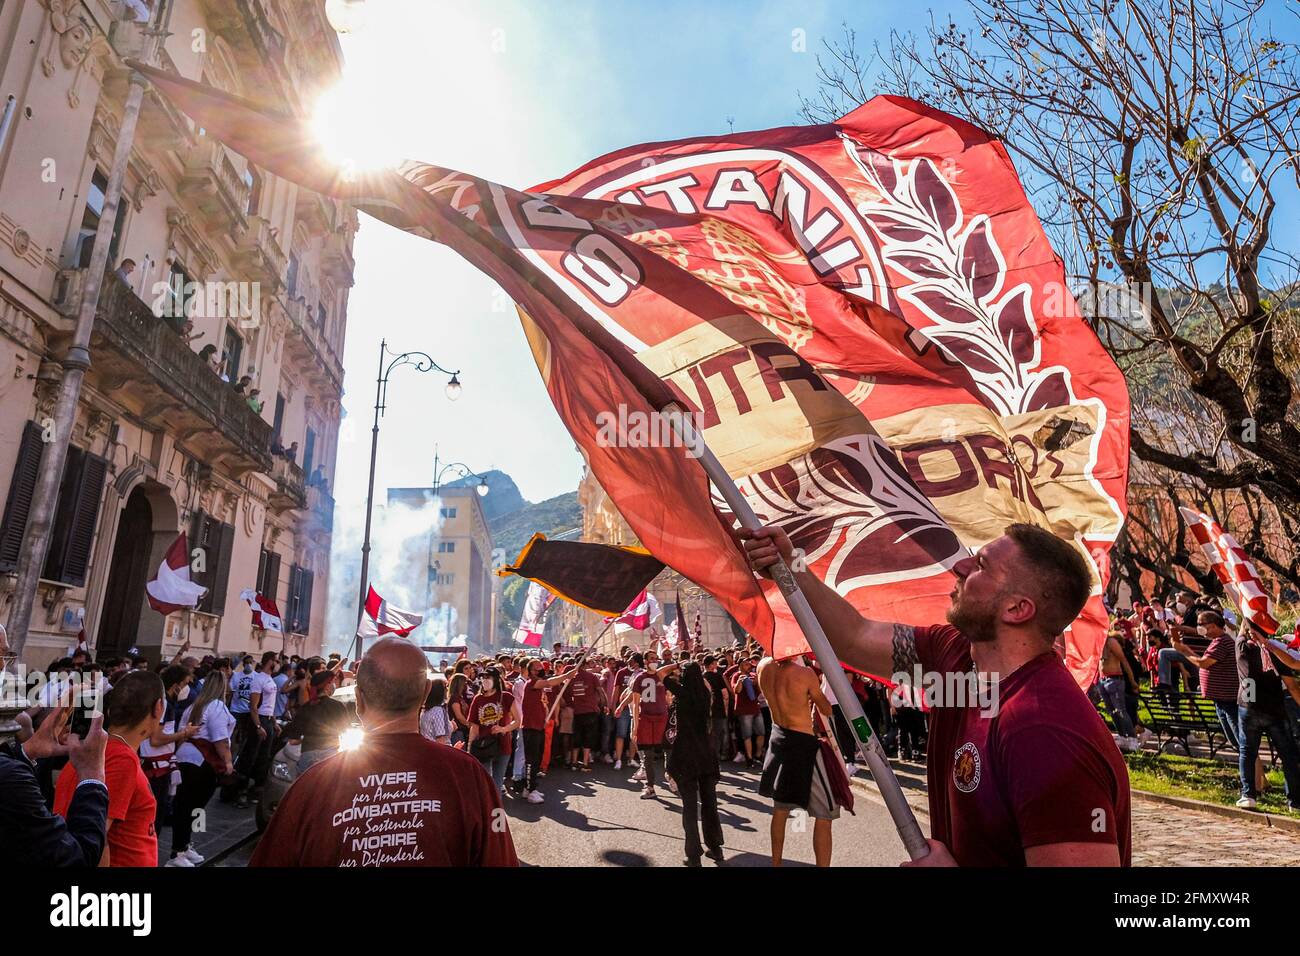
column 1041, row 768
column 583, row 694
column 397, row 800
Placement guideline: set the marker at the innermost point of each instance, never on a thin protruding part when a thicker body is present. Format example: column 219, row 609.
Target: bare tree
column 1155, row 141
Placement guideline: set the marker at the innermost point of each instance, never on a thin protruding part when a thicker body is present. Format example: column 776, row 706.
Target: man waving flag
column 382, row 618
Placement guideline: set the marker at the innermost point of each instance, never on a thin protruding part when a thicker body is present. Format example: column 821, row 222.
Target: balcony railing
column 314, row 211
column 259, row 256
column 290, row 484
column 321, row 507
column 178, row 391
column 214, row 186
column 336, row 257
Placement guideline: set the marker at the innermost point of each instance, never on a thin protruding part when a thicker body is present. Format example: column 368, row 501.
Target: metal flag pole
column 873, row 754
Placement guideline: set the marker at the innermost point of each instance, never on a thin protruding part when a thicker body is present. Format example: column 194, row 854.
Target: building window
column 448, row 512
column 253, row 180
column 234, row 353
column 309, row 451
column 320, row 316
column 446, row 578
column 446, row 547
column 75, row 516
column 90, row 223
column 180, row 291
column 298, row 609
column 291, row 279
column 268, row 574
column 217, row 541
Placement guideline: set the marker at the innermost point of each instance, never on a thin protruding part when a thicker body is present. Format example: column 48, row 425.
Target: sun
column 352, row 132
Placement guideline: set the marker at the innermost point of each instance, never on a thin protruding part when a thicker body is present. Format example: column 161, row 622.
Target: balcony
column 290, row 484
column 336, row 257
column 308, row 348
column 257, row 46
column 214, row 187
column 138, row 359
column 314, row 211
column 320, row 508
column 259, row 257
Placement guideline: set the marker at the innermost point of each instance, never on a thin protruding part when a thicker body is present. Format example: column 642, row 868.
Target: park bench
column 1176, row 715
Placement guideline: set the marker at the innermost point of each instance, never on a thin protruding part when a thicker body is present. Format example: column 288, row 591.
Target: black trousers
column 254, row 760
column 700, row 799
column 844, row 735
column 650, row 754
column 198, row 783
column 534, row 746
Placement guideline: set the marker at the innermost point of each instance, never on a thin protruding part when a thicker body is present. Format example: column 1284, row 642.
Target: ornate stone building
column 603, row 524
column 164, row 442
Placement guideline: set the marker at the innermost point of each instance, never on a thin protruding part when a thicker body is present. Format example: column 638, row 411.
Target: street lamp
column 463, row 470
column 421, row 362
column 346, row 16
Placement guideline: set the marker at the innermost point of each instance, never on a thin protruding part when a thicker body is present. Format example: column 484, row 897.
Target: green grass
column 1199, row 778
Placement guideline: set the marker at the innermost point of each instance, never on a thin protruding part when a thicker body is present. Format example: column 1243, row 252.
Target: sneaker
column 648, row 793
column 192, row 856
column 607, row 759
column 639, row 776
column 714, row 854
column 535, row 797
column 740, row 758
column 672, row 787
column 618, row 764
column 1144, row 737
column 179, row 861
column 1247, row 803
column 850, row 768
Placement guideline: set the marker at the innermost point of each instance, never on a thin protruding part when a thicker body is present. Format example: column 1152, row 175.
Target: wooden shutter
column 268, row 574
column 304, row 601
column 85, row 489
column 21, row 488
column 224, row 538
column 290, row 610
column 199, row 540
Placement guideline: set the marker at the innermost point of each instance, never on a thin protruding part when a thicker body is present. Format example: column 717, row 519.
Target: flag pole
column 873, row 754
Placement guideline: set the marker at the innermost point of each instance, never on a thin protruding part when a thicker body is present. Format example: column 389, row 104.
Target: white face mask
column 1181, row 607
column 1202, row 630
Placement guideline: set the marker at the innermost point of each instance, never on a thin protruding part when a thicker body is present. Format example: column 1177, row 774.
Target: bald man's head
column 393, row 677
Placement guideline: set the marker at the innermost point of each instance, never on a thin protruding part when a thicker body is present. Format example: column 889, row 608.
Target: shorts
column 623, row 726
column 650, row 730
column 751, row 725
column 586, row 730
column 821, row 801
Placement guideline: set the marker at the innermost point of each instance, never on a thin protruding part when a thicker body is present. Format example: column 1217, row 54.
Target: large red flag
column 171, row 588
column 788, row 286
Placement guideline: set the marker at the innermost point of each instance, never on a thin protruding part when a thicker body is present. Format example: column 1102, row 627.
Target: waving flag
column 265, row 613
column 640, row 614
column 598, row 577
column 864, row 319
column 171, row 588
column 382, row 618
column 533, row 622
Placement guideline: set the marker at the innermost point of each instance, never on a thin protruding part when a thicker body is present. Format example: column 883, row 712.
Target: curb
column 1257, row 817
column 872, row 792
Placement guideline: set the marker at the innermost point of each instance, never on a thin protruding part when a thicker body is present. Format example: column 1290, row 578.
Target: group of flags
column 864, row 320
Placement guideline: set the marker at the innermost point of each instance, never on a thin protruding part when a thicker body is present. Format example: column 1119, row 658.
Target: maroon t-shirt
column 397, row 800
column 622, row 680
column 583, row 694
column 1041, row 769
column 654, row 698
column 536, row 704
column 1219, row 681
column 488, row 710
column 744, row 706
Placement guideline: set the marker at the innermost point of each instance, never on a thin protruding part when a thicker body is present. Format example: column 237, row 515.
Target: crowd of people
column 1193, row 644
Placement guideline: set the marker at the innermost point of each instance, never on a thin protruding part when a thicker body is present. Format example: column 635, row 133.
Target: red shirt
column 622, row 680
column 1042, row 769
column 583, row 694
column 654, row 699
column 535, row 706
column 486, row 711
column 1153, row 662
column 397, row 800
column 1220, row 681
column 744, row 706
column 131, row 805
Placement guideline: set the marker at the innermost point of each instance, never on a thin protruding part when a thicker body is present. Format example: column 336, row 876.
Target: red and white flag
column 382, row 618
column 533, row 621
column 265, row 613
column 1231, row 565
column 171, row 588
column 640, row 614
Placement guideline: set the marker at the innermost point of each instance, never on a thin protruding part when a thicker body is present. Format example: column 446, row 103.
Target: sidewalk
column 225, row 827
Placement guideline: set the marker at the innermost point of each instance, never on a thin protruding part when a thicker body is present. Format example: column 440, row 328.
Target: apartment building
column 238, row 277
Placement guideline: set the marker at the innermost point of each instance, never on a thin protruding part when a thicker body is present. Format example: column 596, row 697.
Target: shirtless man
column 1116, row 678
column 793, row 773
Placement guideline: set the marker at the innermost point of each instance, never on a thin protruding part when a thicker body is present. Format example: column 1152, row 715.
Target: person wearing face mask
column 158, row 752
column 1266, row 680
column 1218, row 677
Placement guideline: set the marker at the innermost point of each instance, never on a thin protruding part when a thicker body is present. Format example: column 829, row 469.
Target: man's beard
column 976, row 623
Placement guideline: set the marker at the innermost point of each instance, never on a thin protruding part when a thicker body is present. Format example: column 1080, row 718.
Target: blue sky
column 522, row 92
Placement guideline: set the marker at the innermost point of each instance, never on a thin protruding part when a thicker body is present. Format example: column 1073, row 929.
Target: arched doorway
column 124, row 596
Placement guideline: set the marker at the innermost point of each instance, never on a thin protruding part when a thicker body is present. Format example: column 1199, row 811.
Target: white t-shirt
column 217, row 724
column 241, row 687
column 264, row 684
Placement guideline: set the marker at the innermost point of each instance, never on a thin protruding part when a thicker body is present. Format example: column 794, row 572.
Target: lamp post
column 464, row 471
column 421, row 362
